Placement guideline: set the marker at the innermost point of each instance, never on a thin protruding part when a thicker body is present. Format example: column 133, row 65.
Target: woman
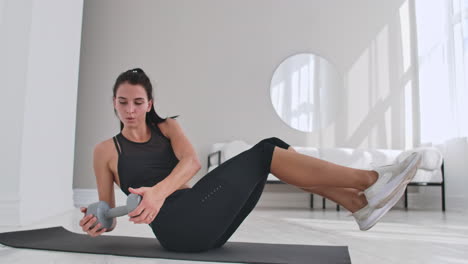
column 152, row 157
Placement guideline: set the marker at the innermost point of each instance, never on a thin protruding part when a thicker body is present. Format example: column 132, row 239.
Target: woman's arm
column 104, row 177
column 188, row 164
column 183, row 172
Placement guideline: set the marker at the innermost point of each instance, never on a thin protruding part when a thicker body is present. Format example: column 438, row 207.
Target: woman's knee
column 271, row 140
column 275, row 141
column 264, row 142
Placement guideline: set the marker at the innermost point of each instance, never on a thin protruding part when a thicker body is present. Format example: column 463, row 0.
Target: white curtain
column 442, row 37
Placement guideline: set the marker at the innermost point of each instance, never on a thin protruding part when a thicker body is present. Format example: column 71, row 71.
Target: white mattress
column 430, row 170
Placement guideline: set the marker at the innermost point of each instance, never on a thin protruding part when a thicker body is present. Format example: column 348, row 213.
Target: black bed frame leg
column 406, row 198
column 443, row 185
column 443, row 197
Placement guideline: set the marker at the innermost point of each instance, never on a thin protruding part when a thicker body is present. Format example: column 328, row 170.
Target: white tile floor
column 413, row 236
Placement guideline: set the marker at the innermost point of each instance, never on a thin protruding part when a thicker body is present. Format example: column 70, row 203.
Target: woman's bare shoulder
column 105, row 149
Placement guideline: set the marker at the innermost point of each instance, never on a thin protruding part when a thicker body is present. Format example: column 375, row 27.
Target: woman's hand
column 149, row 206
column 87, row 221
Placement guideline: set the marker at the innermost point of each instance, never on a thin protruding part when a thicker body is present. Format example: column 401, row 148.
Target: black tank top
column 143, row 164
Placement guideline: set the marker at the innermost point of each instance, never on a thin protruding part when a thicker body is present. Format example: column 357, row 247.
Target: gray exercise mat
column 59, row 239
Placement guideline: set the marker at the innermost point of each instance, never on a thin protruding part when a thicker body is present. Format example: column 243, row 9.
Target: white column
column 39, row 63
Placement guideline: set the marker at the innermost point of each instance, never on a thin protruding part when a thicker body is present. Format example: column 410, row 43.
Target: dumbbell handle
column 105, row 214
column 133, row 200
column 117, row 211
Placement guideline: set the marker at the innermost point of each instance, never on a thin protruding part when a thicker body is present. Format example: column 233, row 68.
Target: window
column 442, row 42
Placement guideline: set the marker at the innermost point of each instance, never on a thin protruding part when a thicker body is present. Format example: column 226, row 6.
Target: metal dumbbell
column 105, row 214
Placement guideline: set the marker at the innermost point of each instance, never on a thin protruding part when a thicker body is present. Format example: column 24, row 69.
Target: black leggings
column 205, row 216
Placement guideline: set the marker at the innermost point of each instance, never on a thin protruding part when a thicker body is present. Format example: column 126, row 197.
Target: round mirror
column 305, row 92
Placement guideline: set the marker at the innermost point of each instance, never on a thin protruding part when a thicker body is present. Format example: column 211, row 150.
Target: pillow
column 233, row 148
column 431, row 157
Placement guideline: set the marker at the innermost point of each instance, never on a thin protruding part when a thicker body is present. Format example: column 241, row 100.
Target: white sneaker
column 367, row 216
column 391, row 180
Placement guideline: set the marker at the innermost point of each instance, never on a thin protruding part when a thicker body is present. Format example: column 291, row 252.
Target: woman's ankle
column 358, row 202
column 370, row 177
column 363, row 179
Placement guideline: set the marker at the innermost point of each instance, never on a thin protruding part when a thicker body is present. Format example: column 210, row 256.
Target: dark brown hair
column 138, row 76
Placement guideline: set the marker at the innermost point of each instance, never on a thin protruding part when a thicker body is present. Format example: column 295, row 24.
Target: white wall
column 40, row 60
column 212, row 61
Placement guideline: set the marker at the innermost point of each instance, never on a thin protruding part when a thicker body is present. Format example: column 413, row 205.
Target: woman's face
column 131, row 103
